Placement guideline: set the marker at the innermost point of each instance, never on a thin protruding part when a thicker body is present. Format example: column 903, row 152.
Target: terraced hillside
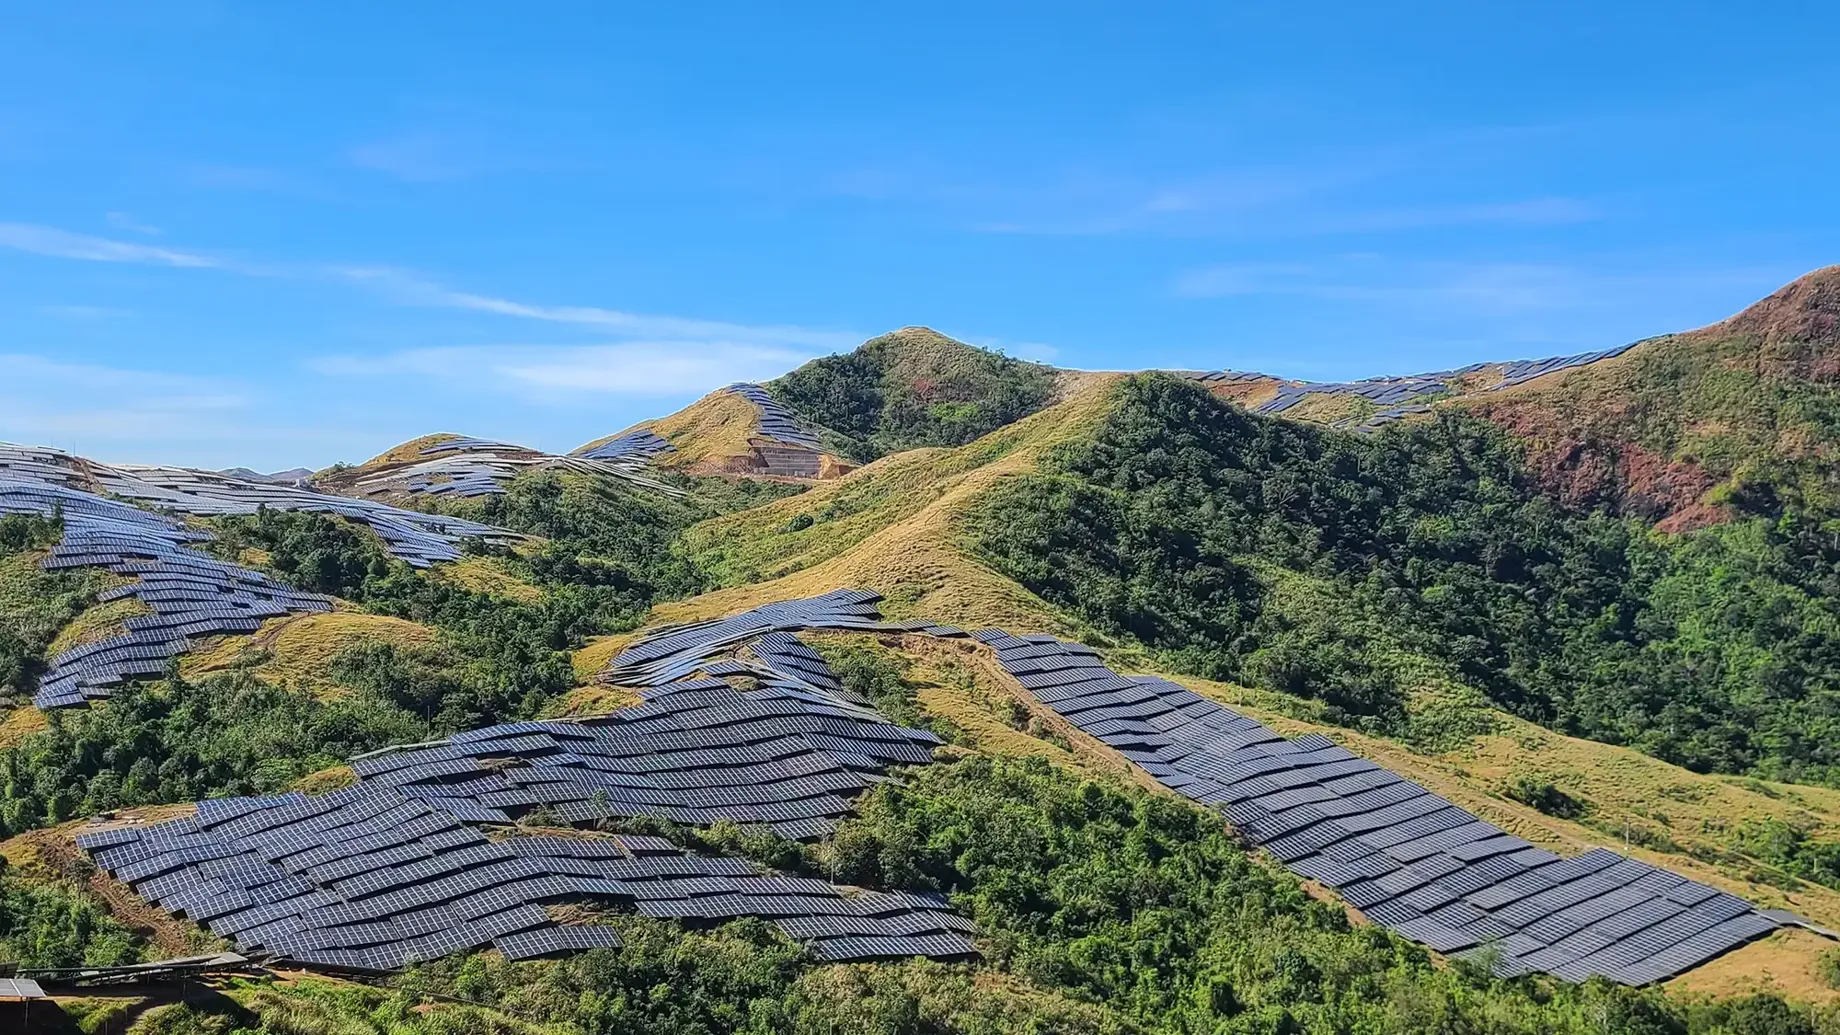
column 1087, row 703
column 740, row 430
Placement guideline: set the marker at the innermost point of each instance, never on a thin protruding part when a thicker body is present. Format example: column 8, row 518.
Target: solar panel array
column 789, row 752
column 1407, row 858
column 776, row 421
column 1401, row 396
column 675, row 652
column 369, row 879
column 639, row 446
column 417, row 538
column 191, row 595
column 1410, row 859
column 471, row 468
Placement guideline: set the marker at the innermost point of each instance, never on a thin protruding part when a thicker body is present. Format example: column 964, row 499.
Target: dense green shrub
column 53, row 924
column 174, row 740
column 1545, row 796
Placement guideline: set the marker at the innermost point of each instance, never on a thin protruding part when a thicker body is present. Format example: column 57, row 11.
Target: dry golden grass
column 1785, row 963
column 409, row 451
column 296, row 652
column 593, row 656
column 961, row 684
column 325, row 781
column 589, row 700
column 490, row 576
column 714, row 436
column 706, row 433
column 97, row 623
column 19, row 724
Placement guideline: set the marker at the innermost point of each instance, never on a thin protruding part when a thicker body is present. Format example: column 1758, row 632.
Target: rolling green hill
column 911, row 388
column 1600, row 607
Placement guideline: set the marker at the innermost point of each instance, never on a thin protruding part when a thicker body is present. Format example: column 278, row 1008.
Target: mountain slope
column 1741, row 417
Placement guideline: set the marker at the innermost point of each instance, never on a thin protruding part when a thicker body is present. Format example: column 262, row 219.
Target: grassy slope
column 405, row 453
column 96, row 624
column 711, row 436
column 891, row 527
column 296, row 652
column 708, row 431
column 488, row 575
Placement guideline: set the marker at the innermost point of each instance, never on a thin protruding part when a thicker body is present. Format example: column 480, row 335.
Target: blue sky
column 288, row 234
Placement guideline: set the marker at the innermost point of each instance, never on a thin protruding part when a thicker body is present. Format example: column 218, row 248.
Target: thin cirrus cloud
column 408, row 288
column 1480, row 288
column 1485, row 286
column 638, row 368
column 63, row 244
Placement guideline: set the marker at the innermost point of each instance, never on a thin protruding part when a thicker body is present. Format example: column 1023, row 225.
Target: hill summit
column 1689, row 429
column 913, row 387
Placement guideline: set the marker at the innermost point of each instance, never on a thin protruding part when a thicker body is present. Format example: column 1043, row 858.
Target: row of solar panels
column 1398, row 395
column 640, row 446
column 776, row 421
column 789, row 751
column 469, row 468
column 190, row 594
column 370, row 879
column 417, row 538
column 763, row 735
column 1408, row 858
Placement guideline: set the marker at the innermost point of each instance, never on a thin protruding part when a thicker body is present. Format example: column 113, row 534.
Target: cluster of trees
column 913, row 388
column 1365, row 571
column 54, row 924
column 175, row 741
column 34, row 604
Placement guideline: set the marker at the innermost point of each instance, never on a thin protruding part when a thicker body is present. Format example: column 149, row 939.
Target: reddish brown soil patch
column 1583, row 469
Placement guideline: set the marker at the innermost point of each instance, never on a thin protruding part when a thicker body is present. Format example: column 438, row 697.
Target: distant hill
column 913, row 387
column 740, row 430
column 288, row 477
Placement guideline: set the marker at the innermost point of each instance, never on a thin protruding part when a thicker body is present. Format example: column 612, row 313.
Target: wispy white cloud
column 92, row 408
column 640, row 368
column 23, row 374
column 406, row 287
column 411, row 289
column 1530, row 212
column 1244, row 278
column 63, row 244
